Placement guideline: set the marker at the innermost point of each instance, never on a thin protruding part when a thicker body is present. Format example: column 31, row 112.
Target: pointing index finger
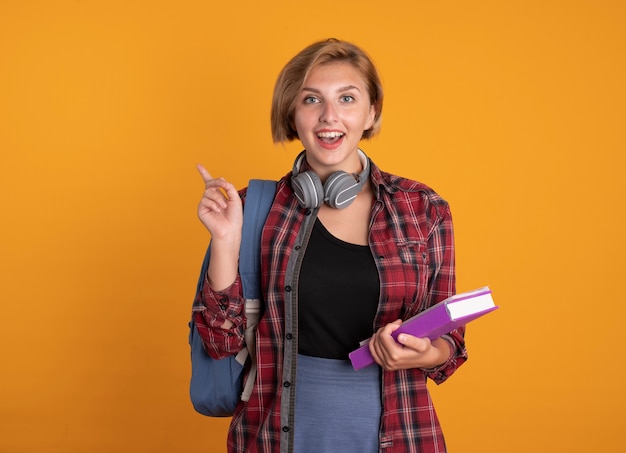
column 204, row 173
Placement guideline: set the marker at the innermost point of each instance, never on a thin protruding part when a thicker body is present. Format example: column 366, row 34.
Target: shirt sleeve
column 442, row 286
column 442, row 372
column 211, row 309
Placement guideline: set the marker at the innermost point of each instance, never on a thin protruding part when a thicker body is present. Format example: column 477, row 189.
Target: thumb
column 393, row 326
column 415, row 343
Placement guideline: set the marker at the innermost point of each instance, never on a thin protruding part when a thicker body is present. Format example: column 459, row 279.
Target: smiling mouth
column 330, row 137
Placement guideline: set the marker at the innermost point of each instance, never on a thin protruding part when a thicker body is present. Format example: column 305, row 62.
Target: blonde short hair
column 293, row 76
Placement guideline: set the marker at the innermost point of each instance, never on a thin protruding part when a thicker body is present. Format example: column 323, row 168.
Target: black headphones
column 339, row 190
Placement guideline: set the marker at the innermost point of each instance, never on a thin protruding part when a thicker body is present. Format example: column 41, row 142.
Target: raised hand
column 220, row 209
column 221, row 212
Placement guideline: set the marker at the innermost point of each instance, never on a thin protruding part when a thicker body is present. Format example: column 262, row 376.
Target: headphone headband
column 339, row 190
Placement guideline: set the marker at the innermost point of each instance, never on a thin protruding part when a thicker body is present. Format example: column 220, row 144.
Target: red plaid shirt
column 411, row 240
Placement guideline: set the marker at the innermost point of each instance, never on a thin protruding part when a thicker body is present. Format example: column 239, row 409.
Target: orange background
column 514, row 111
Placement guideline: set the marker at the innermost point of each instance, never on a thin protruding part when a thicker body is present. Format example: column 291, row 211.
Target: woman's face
column 332, row 111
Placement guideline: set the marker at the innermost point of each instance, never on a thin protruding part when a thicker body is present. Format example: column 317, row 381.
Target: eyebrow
column 346, row 88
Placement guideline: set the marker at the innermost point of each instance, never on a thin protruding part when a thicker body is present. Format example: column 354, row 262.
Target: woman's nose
column 328, row 114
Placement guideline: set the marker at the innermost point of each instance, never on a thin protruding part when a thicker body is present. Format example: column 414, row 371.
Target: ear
column 370, row 118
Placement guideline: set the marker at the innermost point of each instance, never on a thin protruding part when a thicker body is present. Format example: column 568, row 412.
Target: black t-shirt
column 338, row 296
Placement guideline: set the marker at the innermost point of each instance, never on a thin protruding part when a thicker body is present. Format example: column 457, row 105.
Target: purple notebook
column 436, row 321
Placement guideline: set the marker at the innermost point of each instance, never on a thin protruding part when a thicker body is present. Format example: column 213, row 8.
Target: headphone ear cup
column 308, row 189
column 340, row 189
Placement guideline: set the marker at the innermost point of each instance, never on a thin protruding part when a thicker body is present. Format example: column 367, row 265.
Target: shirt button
column 288, row 336
column 285, row 429
column 288, row 289
column 286, row 384
column 307, row 212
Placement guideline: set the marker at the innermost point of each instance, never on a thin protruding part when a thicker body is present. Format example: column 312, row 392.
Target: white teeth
column 329, row 134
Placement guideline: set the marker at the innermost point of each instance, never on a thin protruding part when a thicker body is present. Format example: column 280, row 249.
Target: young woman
column 348, row 252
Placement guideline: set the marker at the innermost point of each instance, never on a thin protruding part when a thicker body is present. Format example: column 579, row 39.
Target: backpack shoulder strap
column 259, row 197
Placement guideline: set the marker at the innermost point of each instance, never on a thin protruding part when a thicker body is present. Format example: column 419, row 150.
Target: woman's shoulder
column 400, row 186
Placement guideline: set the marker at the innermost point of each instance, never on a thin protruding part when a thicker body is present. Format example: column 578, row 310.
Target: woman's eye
column 347, row 98
column 310, row 100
